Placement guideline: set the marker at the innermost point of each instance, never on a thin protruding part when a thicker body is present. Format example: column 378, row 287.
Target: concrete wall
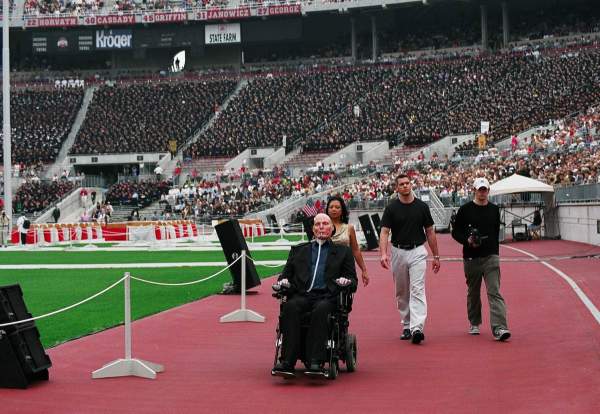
column 443, row 146
column 579, row 222
column 151, row 157
column 245, row 155
column 573, row 222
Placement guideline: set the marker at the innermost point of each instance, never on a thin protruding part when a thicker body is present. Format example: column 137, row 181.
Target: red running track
column 550, row 365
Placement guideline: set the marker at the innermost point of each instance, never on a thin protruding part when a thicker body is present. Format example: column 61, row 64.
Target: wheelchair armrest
column 280, row 292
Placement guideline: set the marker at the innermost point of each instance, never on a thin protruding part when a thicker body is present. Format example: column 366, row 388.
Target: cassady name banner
column 218, row 34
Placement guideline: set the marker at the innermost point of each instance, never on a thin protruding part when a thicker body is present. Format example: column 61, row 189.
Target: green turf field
column 141, row 256
column 46, row 290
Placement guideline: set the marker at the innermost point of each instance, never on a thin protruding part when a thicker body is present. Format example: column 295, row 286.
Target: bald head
column 322, row 227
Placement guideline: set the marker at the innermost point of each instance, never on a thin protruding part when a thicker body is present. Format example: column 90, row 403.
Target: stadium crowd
column 202, row 199
column 271, row 109
column 35, row 196
column 138, row 194
column 566, row 154
column 415, row 102
column 52, row 7
column 144, row 117
column 40, row 121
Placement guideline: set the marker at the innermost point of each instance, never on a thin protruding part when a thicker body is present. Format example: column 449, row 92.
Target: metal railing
column 583, row 193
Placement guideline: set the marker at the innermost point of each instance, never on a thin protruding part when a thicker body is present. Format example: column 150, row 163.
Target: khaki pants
column 408, row 269
column 487, row 269
column 3, row 236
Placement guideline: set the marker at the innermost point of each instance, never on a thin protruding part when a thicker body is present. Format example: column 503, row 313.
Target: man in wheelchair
column 310, row 285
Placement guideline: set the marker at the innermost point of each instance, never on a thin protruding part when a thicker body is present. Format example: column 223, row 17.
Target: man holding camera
column 477, row 228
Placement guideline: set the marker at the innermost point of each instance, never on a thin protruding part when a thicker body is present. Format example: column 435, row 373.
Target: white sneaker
column 474, row 330
column 501, row 334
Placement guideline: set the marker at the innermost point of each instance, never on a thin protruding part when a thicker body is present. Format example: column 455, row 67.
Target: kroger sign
column 113, row 39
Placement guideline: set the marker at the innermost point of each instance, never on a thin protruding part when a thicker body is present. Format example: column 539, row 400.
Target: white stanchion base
column 242, row 315
column 128, row 368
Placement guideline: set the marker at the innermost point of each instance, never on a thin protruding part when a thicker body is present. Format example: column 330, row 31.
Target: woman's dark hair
column 345, row 215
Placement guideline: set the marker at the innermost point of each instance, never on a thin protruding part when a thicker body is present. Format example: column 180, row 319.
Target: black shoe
column 417, row 337
column 284, row 370
column 406, row 335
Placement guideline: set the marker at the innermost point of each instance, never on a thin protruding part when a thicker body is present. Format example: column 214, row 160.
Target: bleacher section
column 144, row 117
column 305, row 160
column 41, row 121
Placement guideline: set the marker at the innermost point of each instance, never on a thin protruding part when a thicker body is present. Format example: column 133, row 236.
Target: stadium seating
column 144, row 117
column 36, row 196
column 41, row 120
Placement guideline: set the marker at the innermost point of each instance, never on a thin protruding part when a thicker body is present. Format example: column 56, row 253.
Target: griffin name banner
column 218, row 34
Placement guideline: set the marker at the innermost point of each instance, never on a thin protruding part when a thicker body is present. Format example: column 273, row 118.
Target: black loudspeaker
column 368, row 231
column 12, row 306
column 22, row 356
column 308, row 223
column 233, row 242
column 377, row 223
column 273, row 223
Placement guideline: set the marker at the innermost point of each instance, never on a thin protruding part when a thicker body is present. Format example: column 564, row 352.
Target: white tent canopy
column 519, row 184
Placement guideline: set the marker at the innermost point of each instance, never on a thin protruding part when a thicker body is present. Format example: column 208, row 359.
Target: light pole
column 6, row 133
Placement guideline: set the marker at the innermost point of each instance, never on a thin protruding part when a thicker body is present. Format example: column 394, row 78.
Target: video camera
column 474, row 234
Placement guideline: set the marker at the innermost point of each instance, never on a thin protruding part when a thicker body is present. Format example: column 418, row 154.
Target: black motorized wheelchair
column 341, row 345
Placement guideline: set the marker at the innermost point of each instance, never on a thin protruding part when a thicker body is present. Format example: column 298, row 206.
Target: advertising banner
column 218, row 34
column 114, row 39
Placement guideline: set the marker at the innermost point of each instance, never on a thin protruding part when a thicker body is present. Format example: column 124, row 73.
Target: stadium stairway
column 208, row 164
column 306, row 160
column 62, row 160
column 205, row 166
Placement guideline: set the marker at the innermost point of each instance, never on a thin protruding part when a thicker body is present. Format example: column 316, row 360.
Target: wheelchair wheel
column 332, row 371
column 351, row 352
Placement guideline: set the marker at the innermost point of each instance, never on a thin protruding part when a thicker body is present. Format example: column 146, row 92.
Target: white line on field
column 582, row 296
column 128, row 265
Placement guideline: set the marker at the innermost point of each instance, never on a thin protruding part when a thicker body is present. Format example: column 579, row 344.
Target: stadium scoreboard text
column 222, row 34
column 76, row 41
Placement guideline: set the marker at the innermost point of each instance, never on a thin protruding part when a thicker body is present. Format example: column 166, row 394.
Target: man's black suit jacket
column 340, row 263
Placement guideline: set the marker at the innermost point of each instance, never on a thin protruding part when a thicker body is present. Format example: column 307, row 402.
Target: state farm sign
column 217, row 34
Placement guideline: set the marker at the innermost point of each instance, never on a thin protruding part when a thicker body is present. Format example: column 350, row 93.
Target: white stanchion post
column 243, row 314
column 128, row 366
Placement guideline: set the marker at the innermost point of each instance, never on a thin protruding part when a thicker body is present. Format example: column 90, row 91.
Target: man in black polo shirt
column 410, row 222
column 477, row 228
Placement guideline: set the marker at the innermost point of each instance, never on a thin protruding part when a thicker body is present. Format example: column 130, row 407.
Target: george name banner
column 218, row 34
column 279, row 10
